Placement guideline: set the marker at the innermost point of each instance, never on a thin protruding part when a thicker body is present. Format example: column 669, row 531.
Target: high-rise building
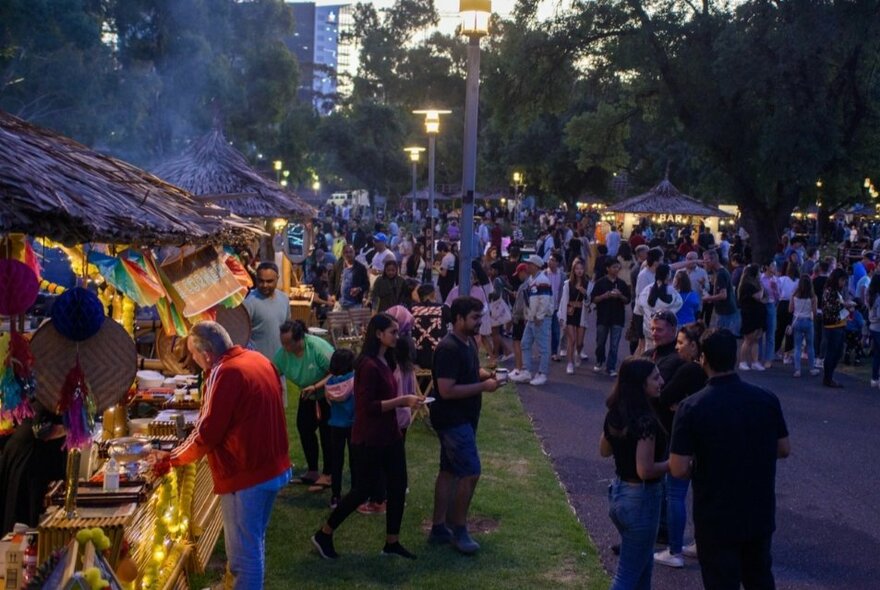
column 325, row 55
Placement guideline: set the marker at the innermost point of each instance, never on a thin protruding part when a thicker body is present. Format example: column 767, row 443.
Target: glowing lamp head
column 475, row 17
column 277, row 164
column 414, row 153
column 517, row 177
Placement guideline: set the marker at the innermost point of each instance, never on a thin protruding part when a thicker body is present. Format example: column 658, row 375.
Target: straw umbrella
column 52, row 185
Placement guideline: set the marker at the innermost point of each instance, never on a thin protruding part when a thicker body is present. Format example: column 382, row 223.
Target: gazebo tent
column 215, row 171
column 665, row 201
column 52, row 185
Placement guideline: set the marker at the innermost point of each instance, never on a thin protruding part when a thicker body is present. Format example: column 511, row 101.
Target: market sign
column 201, row 279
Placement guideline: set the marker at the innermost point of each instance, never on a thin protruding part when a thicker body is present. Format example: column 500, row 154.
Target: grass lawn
column 532, row 537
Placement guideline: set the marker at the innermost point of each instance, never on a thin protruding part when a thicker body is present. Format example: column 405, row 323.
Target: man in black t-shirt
column 727, row 438
column 723, row 297
column 459, row 383
column 611, row 296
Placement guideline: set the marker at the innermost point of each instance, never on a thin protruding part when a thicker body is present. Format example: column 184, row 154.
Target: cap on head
column 380, row 237
column 536, row 260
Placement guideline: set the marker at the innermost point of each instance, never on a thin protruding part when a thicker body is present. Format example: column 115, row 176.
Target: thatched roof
column 213, row 169
column 666, row 199
column 53, row 186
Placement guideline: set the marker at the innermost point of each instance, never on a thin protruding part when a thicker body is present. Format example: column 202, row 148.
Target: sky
column 448, row 9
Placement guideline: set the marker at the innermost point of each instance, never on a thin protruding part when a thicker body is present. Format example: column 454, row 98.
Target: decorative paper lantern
column 19, row 287
column 77, row 314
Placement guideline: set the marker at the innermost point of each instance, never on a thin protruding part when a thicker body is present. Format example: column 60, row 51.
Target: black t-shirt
column 747, row 302
column 457, row 360
column 612, row 311
column 624, row 437
column 731, row 429
column 723, row 281
column 819, row 289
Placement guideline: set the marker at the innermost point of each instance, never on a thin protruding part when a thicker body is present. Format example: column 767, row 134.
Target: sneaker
column 689, row 550
column 814, row 372
column 584, row 355
column 796, row 374
column 612, row 373
column 334, row 502
column 540, row 379
column 820, row 363
column 757, row 367
column 563, row 353
column 372, row 508
column 598, row 368
column 577, row 360
column 787, row 360
column 668, row 559
column 569, row 368
column 462, row 541
column 440, row 535
column 744, row 367
column 555, row 358
column 324, row 544
column 521, row 377
column 397, row 549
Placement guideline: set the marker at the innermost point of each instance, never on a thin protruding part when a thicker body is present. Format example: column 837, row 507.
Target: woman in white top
column 802, row 307
column 788, row 284
column 658, row 296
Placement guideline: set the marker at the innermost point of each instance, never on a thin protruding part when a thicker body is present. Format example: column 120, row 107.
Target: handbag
column 499, row 312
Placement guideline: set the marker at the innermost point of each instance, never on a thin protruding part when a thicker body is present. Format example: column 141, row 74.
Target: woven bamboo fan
column 108, row 359
column 172, row 351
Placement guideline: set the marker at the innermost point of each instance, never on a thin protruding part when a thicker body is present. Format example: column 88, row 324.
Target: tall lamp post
column 518, row 187
column 475, row 25
column 432, row 128
column 414, row 153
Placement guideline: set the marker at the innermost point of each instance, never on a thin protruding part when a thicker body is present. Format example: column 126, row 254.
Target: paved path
column 828, row 491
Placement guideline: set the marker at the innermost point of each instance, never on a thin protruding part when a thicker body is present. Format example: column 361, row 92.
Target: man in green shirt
column 304, row 361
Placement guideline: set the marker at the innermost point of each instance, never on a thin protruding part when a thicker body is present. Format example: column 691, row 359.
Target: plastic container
column 111, row 476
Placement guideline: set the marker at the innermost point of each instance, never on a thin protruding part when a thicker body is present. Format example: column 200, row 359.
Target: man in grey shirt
column 268, row 308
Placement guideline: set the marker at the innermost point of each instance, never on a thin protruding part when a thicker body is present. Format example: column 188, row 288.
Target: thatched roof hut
column 665, row 199
column 53, row 186
column 215, row 171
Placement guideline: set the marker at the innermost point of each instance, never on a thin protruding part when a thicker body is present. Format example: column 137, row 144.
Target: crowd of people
column 678, row 410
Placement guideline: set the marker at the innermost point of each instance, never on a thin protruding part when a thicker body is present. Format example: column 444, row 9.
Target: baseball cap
column 521, row 267
column 380, row 237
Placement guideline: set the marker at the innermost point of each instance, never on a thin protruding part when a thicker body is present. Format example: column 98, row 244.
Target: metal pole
column 432, row 139
column 415, row 173
column 469, row 168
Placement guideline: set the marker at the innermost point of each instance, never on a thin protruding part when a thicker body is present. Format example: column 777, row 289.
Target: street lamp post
column 432, row 128
column 474, row 25
column 414, row 153
column 518, row 187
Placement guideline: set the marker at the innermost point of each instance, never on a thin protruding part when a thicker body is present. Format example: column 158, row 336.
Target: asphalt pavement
column 828, row 490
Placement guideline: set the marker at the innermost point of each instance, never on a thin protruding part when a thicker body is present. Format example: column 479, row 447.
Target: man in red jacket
column 242, row 431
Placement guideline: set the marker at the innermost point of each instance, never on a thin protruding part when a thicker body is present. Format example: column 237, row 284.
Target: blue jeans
column 729, row 322
column 676, row 511
column 768, row 341
column 875, row 355
column 537, row 334
column 834, row 338
column 554, row 334
column 245, row 519
column 602, row 334
column 635, row 511
column 802, row 330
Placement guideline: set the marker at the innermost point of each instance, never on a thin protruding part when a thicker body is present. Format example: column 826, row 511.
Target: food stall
column 123, row 232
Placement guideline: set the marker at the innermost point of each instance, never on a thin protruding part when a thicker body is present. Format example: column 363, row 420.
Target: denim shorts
column 458, row 451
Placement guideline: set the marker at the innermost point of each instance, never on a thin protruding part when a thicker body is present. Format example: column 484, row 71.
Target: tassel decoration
column 78, row 409
column 17, row 382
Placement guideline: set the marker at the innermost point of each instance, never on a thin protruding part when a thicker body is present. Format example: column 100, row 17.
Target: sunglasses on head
column 666, row 316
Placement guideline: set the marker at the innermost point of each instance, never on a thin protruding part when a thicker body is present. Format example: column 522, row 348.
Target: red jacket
column 242, row 426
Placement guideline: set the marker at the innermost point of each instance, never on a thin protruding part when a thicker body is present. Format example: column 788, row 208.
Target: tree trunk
column 765, row 222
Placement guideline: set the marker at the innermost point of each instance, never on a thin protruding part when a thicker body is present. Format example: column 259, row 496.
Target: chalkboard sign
column 200, row 278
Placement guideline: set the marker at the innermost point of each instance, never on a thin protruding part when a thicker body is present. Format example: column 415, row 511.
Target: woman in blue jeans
column 835, row 311
column 633, row 434
column 803, row 310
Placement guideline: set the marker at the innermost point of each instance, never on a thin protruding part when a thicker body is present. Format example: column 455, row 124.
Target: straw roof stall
column 665, row 199
column 53, row 186
column 217, row 172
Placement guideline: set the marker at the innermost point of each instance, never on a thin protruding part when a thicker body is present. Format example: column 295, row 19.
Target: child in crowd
column 340, row 394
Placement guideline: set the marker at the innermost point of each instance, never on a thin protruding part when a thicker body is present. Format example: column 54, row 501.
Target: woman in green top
column 304, row 361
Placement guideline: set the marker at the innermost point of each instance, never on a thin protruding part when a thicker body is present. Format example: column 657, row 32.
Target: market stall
column 123, row 232
column 664, row 203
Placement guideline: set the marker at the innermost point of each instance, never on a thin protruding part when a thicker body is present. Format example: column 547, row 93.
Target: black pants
column 784, row 319
column 724, row 566
column 307, row 421
column 340, row 438
column 370, row 463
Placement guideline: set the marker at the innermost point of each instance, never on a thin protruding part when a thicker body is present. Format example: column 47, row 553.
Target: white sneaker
column 569, row 369
column 744, row 367
column 787, row 360
column 612, row 373
column 689, row 550
column 521, row 376
column 814, row 372
column 796, row 374
column 668, row 559
column 577, row 360
column 820, row 363
column 875, row 383
column 540, row 379
column 563, row 353
column 584, row 355
column 597, row 368
column 757, row 366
